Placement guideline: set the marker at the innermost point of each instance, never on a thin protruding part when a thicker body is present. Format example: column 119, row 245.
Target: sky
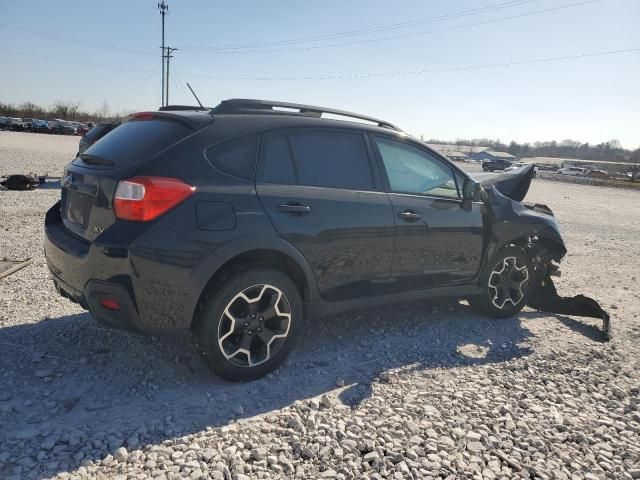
column 421, row 64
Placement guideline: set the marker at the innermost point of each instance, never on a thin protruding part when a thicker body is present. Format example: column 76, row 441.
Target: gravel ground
column 415, row 391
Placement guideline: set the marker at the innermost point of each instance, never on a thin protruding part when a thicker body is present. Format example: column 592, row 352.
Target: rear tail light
column 141, row 199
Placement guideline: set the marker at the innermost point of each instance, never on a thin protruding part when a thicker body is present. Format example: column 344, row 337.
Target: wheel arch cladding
column 275, row 259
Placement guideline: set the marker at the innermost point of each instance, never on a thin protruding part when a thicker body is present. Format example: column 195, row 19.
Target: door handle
column 294, row 207
column 410, row 215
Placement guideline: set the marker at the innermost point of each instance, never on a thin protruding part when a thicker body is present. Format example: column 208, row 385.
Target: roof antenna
column 194, row 94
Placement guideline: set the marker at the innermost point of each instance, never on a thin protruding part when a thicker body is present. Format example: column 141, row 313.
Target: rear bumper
column 125, row 317
column 152, row 293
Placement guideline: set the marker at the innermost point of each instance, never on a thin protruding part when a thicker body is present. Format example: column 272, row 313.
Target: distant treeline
column 60, row 109
column 610, row 151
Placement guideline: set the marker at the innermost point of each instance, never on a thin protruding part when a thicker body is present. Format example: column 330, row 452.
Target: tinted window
column 331, row 159
column 138, row 140
column 277, row 165
column 236, row 157
column 412, row 170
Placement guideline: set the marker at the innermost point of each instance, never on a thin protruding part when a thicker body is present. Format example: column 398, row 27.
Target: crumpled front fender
column 510, row 221
column 534, row 227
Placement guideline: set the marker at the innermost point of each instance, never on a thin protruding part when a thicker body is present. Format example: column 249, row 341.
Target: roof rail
column 244, row 105
column 181, row 107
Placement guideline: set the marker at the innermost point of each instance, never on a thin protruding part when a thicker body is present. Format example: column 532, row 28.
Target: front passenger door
column 438, row 242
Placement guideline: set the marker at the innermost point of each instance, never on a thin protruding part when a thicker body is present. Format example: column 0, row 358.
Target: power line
column 354, row 76
column 380, row 28
column 84, row 42
column 78, row 62
column 394, row 37
column 135, row 93
column 76, row 41
column 230, row 48
column 425, row 71
column 178, row 86
column 185, row 94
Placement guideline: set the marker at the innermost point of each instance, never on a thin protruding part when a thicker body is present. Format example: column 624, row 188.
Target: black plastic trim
column 321, row 307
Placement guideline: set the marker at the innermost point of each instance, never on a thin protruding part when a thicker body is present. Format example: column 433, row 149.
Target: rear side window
column 318, row 158
column 236, row 157
column 136, row 141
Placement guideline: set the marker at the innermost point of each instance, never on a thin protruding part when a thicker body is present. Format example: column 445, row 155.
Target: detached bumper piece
column 545, row 298
column 21, row 182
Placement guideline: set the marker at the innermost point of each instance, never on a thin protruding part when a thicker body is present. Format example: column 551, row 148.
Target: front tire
column 506, row 283
column 248, row 323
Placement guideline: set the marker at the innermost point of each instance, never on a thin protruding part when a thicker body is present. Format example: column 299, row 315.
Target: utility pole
column 169, row 57
column 163, row 8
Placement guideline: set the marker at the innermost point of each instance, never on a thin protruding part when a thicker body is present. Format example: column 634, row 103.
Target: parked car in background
column 41, row 126
column 28, row 123
column 63, row 127
column 237, row 222
column 518, row 165
column 17, row 125
column 95, row 134
column 495, row 164
column 595, row 173
column 4, row 123
column 84, row 128
column 575, row 171
column 81, row 128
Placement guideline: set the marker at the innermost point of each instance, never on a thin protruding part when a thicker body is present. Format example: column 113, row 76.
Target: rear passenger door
column 320, row 191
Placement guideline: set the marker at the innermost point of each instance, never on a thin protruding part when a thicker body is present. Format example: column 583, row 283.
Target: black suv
column 237, row 222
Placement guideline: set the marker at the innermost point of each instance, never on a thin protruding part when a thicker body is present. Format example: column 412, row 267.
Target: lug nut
column 246, row 324
column 253, row 315
column 261, row 319
column 259, row 329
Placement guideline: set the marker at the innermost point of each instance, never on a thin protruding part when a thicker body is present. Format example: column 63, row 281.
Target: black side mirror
column 471, row 190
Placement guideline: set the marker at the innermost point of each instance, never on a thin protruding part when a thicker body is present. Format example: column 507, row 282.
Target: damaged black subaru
column 237, row 222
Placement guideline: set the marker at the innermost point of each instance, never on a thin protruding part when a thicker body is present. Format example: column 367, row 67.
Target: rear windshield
column 137, row 140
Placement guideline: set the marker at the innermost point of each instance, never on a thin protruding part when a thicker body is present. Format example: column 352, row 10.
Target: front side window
column 317, row 158
column 412, row 170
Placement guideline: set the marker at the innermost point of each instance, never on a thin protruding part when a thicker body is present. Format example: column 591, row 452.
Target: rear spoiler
column 194, row 119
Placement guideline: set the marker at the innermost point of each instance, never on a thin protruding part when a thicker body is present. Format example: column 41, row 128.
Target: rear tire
column 248, row 323
column 506, row 284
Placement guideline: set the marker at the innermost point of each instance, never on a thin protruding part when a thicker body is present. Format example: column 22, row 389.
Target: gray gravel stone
column 121, row 454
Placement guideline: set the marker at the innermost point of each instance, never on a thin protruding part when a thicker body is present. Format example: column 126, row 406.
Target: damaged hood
column 514, row 184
